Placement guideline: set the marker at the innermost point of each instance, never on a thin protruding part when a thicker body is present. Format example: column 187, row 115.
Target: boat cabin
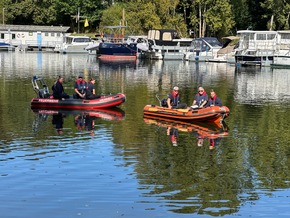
column 262, row 40
column 166, row 37
column 206, row 44
column 24, row 36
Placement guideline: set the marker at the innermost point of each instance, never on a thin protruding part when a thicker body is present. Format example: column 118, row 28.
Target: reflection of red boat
column 105, row 113
column 214, row 114
column 207, row 130
column 78, row 104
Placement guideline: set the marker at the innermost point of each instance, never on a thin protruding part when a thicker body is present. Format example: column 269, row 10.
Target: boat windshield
column 71, row 40
column 214, row 42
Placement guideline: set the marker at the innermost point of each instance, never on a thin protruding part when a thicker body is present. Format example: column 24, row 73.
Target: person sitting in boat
column 58, row 91
column 214, row 100
column 200, row 99
column 80, row 87
column 173, row 100
column 91, row 92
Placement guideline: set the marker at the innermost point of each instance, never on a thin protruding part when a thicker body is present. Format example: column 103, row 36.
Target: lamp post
column 3, row 16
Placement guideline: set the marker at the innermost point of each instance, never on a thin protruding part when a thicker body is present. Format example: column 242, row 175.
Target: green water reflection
column 252, row 158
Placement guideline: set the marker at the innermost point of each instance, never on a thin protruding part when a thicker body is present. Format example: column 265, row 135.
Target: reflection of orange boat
column 105, row 113
column 207, row 130
column 214, row 114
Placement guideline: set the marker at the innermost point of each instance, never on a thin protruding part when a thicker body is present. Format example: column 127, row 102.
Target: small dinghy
column 214, row 114
column 46, row 101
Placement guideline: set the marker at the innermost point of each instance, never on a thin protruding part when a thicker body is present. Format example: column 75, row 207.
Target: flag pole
column 78, row 20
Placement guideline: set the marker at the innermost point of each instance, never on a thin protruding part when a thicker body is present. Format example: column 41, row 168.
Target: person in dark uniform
column 173, row 100
column 58, row 91
column 214, row 100
column 91, row 91
column 80, row 87
column 200, row 99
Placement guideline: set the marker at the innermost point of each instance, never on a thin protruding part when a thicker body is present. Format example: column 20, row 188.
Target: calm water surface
column 115, row 163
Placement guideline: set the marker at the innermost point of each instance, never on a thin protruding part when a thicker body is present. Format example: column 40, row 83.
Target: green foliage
column 280, row 10
column 31, row 12
column 219, row 17
column 206, row 17
column 241, row 14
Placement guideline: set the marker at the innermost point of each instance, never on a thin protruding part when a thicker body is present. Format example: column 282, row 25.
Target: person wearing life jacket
column 91, row 92
column 173, row 100
column 214, row 100
column 58, row 91
column 80, row 87
column 200, row 99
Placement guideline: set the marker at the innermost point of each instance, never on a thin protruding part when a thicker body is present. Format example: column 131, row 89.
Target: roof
column 34, row 28
column 256, row 31
column 231, row 37
column 115, row 27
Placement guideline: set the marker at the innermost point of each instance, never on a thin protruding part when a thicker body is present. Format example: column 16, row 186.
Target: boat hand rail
column 157, row 96
column 42, row 92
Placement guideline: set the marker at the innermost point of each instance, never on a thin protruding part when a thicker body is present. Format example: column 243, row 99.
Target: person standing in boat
column 173, row 100
column 91, row 91
column 200, row 99
column 214, row 100
column 58, row 91
column 80, row 87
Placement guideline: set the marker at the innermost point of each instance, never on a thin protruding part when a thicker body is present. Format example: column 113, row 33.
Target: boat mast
column 123, row 24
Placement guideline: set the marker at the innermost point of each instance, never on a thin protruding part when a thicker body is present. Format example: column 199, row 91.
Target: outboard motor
column 40, row 87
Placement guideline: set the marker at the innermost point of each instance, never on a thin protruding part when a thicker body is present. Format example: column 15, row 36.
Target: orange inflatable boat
column 214, row 114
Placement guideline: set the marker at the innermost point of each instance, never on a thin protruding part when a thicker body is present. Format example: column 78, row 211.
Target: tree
column 212, row 17
column 30, row 12
column 219, row 17
column 277, row 14
column 241, row 14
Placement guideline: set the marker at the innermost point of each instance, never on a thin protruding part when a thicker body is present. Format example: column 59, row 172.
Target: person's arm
column 194, row 102
column 81, row 95
column 204, row 102
column 168, row 103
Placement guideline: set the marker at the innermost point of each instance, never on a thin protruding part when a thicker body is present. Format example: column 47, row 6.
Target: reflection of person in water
column 173, row 135
column 85, row 121
column 57, row 121
column 212, row 141
column 79, row 122
column 200, row 140
column 90, row 124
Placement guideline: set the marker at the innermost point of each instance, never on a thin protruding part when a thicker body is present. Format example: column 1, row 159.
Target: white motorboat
column 165, row 44
column 203, row 49
column 74, row 44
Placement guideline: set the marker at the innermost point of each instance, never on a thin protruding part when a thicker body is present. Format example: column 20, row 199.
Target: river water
column 115, row 163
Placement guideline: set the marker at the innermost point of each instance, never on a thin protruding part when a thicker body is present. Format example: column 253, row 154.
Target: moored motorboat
column 6, row 46
column 214, row 114
column 74, row 44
